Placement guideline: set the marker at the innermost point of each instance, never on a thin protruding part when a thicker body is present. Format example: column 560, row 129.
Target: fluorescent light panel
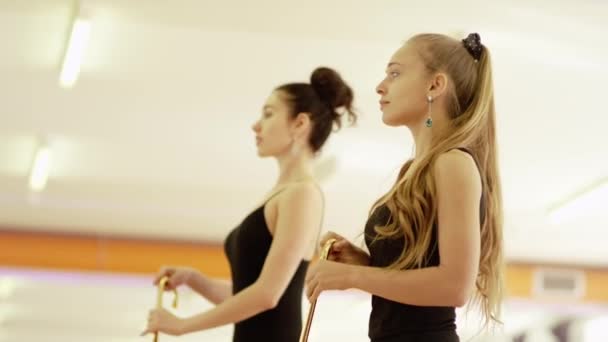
column 588, row 201
column 39, row 173
column 79, row 38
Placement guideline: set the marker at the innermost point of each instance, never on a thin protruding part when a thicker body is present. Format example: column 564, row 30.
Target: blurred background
column 125, row 144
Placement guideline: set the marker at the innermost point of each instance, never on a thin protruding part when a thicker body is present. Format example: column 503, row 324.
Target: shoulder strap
column 273, row 195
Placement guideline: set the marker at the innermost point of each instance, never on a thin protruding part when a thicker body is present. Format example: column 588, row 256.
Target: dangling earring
column 429, row 120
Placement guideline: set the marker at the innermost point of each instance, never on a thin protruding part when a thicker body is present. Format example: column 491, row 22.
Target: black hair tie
column 473, row 45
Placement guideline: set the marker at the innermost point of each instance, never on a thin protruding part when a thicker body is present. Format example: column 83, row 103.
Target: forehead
column 273, row 99
column 407, row 55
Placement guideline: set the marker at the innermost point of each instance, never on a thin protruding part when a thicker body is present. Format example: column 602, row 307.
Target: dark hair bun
column 333, row 91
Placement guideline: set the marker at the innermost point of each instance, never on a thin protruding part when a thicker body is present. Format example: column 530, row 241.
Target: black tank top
column 246, row 248
column 393, row 321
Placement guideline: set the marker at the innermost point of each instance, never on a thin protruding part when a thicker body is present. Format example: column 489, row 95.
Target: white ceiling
column 154, row 139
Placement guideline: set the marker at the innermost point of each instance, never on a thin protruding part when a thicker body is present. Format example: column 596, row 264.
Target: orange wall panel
column 91, row 253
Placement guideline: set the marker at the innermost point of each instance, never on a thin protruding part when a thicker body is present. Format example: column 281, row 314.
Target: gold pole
column 159, row 298
column 311, row 310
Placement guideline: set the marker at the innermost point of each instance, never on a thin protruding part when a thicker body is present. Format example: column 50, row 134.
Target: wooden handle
column 162, row 284
column 313, row 304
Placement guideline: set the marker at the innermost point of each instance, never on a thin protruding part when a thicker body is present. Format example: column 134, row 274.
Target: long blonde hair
column 412, row 200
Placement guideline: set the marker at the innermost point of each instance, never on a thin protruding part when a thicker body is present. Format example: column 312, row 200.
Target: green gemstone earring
column 429, row 120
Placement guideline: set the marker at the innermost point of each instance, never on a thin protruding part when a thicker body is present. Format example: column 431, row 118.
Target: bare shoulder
column 301, row 193
column 456, row 166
